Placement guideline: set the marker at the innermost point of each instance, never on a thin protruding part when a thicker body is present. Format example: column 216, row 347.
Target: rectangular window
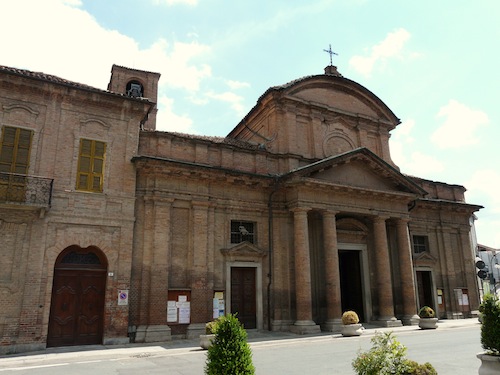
column 420, row 244
column 242, row 231
column 91, row 165
column 15, row 149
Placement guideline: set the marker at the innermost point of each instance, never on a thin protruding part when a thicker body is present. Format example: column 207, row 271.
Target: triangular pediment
column 244, row 250
column 359, row 168
column 424, row 259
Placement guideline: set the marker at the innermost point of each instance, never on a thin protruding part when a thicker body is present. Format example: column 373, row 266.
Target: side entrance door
column 78, row 295
column 243, row 299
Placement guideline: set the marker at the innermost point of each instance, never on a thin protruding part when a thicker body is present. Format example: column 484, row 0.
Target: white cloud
column 483, row 184
column 401, row 137
column 422, row 165
column 167, row 120
column 175, row 2
column 235, row 101
column 80, row 49
column 237, row 84
column 391, row 47
column 411, row 162
column 459, row 125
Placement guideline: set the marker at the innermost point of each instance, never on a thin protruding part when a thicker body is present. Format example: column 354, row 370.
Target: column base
column 332, row 325
column 410, row 320
column 303, row 327
column 388, row 322
column 194, row 330
column 153, row 333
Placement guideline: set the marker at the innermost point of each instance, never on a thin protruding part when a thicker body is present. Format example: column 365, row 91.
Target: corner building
column 297, row 215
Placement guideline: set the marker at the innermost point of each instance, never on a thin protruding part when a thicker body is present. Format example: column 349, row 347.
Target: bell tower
column 137, row 84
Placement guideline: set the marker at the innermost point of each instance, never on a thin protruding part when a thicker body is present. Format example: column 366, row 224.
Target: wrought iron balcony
column 19, row 189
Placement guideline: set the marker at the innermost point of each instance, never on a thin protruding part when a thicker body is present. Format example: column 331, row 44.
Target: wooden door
column 77, row 307
column 243, row 299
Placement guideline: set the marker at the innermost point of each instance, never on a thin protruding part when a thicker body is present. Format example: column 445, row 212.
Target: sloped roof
column 375, row 162
column 335, row 79
column 40, row 76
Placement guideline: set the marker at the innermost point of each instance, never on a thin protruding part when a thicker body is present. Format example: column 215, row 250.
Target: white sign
column 171, row 312
column 122, row 297
column 184, row 312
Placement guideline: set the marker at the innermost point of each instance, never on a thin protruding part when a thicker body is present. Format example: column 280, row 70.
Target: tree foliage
column 490, row 324
column 229, row 353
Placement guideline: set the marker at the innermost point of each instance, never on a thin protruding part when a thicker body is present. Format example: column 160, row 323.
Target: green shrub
column 387, row 356
column 426, row 312
column 490, row 324
column 229, row 353
column 415, row 368
column 350, row 317
column 211, row 327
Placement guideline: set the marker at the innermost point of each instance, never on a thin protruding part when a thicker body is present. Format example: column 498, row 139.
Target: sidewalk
column 151, row 349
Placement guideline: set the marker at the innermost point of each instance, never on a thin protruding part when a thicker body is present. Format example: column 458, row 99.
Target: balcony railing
column 26, row 190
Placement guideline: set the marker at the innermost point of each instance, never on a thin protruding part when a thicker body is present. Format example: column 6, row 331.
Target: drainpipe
column 270, row 245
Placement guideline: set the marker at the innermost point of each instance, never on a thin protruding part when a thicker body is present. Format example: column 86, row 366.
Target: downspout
column 270, row 255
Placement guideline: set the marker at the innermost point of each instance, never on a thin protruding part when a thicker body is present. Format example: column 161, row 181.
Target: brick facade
column 308, row 168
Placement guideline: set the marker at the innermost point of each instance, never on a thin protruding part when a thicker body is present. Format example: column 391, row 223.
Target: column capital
column 404, row 220
column 300, row 209
column 380, row 218
column 329, row 213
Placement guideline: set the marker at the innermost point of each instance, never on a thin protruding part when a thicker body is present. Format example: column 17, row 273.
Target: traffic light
column 480, row 265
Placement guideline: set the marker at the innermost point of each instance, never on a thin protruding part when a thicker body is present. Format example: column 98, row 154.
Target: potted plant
column 350, row 324
column 207, row 338
column 428, row 318
column 490, row 335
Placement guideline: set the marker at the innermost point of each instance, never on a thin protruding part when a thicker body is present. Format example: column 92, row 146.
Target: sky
column 434, row 63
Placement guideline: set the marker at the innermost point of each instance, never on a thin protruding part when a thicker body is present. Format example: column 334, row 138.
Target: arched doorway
column 78, row 295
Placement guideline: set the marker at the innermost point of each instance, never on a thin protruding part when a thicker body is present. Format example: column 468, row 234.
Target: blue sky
column 434, row 63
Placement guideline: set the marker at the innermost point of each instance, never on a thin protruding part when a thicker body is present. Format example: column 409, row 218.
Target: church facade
column 297, row 215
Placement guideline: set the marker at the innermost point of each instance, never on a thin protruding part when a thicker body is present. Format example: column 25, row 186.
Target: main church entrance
column 351, row 282
column 78, row 295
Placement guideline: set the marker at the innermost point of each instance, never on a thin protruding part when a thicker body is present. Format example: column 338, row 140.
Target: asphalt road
column 450, row 349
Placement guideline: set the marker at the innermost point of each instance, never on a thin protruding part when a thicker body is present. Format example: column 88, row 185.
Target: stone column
column 406, row 270
column 304, row 322
column 332, row 274
column 384, row 283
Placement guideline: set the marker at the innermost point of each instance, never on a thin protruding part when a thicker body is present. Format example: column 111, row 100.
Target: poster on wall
column 171, row 312
column 218, row 305
column 184, row 312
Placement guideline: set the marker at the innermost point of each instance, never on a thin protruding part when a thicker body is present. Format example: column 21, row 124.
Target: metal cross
column 329, row 50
